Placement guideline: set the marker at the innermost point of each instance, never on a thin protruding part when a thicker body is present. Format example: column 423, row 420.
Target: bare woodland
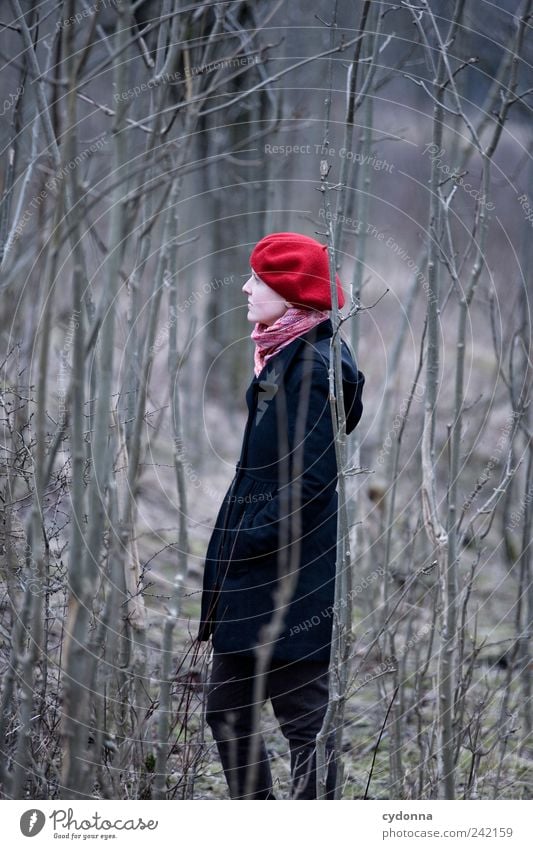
column 146, row 145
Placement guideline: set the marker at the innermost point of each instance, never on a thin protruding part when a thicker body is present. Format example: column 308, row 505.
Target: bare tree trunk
column 165, row 700
column 436, row 532
column 342, row 636
column 84, row 577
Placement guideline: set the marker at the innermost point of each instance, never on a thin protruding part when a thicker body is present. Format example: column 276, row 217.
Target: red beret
column 297, row 267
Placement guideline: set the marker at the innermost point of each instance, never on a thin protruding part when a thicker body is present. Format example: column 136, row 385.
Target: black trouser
column 299, row 695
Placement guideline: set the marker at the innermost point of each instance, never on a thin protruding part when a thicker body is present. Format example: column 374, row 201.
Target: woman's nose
column 246, row 287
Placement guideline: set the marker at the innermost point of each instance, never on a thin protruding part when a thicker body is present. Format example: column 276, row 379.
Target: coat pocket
column 234, row 564
column 256, row 498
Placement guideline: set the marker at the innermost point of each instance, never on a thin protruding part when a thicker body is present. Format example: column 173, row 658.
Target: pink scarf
column 269, row 340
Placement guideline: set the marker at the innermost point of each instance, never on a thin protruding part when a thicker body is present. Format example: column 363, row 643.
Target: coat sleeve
column 311, row 468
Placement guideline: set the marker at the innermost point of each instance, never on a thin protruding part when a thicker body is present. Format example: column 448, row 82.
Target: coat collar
column 324, row 330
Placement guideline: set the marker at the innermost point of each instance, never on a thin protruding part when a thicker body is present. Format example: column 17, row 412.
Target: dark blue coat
column 279, row 514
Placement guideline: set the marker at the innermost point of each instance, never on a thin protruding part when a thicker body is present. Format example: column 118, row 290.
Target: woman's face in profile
column 265, row 305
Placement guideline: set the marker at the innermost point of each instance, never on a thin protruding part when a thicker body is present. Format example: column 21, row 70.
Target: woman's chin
column 252, row 316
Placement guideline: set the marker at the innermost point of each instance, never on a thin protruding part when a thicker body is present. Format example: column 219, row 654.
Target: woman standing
column 278, row 523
